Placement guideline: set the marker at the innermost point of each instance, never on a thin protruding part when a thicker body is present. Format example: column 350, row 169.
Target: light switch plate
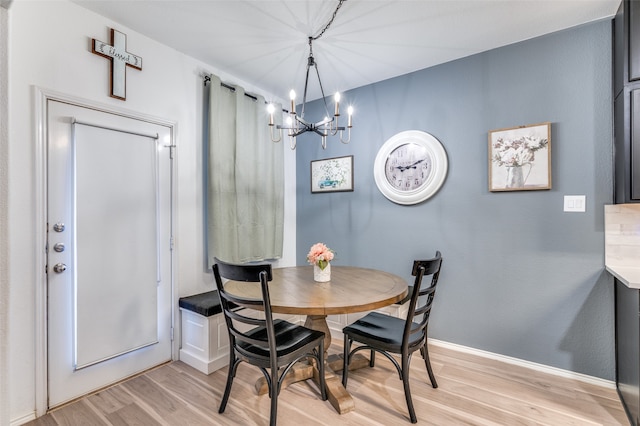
column 575, row 203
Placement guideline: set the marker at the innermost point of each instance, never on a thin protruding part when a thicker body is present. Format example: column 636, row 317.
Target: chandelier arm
column 324, row 98
column 279, row 133
column 318, row 131
column 348, row 137
column 310, row 61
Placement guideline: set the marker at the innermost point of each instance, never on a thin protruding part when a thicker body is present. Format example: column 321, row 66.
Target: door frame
column 40, row 98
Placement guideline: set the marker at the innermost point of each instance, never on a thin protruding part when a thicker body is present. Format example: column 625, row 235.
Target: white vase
column 322, row 275
column 515, row 178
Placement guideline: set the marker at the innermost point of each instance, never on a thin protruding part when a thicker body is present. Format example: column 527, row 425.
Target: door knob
column 58, row 227
column 59, row 268
column 58, row 247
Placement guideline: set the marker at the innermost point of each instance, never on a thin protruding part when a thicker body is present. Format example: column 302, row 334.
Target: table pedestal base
column 338, row 396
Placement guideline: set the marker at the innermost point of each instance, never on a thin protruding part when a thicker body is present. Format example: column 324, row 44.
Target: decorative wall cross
column 120, row 59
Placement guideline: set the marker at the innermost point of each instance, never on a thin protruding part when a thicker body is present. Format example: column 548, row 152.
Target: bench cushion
column 205, row 304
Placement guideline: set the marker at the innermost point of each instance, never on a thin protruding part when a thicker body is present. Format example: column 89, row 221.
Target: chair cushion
column 289, row 337
column 205, row 304
column 376, row 328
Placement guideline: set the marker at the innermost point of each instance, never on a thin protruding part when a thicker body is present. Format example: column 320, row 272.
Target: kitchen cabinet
column 622, row 246
column 626, row 37
column 628, row 348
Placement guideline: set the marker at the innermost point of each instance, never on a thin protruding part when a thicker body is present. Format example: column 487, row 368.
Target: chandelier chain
column 335, row 12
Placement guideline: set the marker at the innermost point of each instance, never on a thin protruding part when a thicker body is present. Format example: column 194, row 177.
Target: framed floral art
column 520, row 158
column 332, row 174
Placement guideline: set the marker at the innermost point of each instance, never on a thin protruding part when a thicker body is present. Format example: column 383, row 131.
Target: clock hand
column 411, row 166
column 414, row 165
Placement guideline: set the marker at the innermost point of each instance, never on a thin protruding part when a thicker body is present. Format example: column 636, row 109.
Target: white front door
column 109, row 248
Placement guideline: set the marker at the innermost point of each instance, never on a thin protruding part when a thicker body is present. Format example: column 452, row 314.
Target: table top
column 351, row 289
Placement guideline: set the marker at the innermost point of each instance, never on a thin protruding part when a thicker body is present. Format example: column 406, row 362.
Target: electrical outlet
column 575, row 203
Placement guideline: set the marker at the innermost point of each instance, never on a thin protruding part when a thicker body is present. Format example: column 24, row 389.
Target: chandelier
column 297, row 124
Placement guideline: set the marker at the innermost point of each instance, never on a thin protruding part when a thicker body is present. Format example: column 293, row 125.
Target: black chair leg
column 273, row 394
column 407, row 391
column 233, row 365
column 345, row 361
column 372, row 358
column 323, row 385
column 425, row 355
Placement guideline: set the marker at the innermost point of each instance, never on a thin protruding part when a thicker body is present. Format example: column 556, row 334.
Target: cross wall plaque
column 120, row 59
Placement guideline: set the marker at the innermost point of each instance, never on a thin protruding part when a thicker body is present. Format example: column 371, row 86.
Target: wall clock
column 410, row 167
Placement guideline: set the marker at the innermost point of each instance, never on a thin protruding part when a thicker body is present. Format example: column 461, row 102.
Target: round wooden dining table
column 351, row 289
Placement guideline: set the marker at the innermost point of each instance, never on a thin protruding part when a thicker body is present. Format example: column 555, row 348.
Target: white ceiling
column 264, row 42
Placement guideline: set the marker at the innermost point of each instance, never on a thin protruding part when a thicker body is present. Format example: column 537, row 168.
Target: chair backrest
column 421, row 299
column 234, row 316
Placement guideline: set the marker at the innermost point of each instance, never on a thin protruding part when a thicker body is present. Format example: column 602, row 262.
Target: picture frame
column 332, row 174
column 520, row 158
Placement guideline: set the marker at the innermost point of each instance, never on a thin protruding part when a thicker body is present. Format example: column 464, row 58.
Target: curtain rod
column 207, row 79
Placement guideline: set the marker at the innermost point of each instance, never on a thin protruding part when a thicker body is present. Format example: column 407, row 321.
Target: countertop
column 628, row 275
column 622, row 242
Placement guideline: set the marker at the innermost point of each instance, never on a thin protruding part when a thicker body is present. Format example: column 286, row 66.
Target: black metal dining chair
column 391, row 335
column 272, row 346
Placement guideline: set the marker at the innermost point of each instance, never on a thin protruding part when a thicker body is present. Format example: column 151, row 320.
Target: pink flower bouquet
column 320, row 255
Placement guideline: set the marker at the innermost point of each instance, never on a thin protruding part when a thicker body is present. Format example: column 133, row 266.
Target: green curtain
column 245, row 179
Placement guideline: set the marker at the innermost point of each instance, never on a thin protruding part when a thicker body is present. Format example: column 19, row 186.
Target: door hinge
column 172, row 334
column 171, row 148
column 171, row 242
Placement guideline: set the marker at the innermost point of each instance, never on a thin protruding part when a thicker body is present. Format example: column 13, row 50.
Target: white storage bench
column 205, row 342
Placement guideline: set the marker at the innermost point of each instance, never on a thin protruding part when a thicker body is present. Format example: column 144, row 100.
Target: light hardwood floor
column 472, row 391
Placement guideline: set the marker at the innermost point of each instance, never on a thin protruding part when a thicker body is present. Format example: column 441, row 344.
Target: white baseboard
column 23, row 419
column 204, row 366
column 527, row 364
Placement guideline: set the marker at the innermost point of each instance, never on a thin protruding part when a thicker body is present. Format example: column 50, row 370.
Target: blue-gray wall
column 520, row 277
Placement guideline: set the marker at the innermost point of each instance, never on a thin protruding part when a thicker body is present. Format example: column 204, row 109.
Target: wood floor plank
column 381, row 389
column 538, row 393
column 46, row 420
column 131, row 414
column 78, row 413
column 472, row 390
column 110, row 400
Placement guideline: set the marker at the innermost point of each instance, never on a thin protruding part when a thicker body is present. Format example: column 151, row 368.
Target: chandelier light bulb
column 337, row 99
column 292, row 96
column 350, row 112
column 270, row 109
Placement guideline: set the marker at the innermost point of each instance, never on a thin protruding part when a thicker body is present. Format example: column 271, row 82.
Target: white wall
column 49, row 47
column 4, row 195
